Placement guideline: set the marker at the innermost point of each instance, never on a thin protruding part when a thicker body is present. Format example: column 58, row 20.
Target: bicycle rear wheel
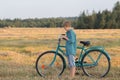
column 46, row 68
column 95, row 64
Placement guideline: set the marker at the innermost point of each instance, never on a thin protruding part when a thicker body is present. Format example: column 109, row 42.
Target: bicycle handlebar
column 60, row 37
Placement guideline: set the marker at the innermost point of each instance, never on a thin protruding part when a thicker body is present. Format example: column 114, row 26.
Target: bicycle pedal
column 76, row 62
column 85, row 62
column 77, row 73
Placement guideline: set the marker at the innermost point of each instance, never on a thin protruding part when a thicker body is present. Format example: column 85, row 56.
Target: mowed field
column 19, row 48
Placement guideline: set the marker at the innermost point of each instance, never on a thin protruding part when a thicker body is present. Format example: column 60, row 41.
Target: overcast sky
column 50, row 8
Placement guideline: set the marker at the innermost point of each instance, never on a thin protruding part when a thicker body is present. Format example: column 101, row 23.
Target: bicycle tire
column 94, row 69
column 49, row 55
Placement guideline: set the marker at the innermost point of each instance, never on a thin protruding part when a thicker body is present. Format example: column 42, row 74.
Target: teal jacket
column 71, row 43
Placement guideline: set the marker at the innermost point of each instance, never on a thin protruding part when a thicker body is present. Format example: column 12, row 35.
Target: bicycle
column 94, row 61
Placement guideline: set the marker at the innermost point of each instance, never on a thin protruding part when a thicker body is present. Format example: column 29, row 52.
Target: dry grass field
column 19, row 48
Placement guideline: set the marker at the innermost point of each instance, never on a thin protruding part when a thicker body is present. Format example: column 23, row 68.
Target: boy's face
column 66, row 28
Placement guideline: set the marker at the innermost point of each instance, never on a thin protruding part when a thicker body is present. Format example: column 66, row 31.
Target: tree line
column 101, row 20
column 36, row 22
column 97, row 20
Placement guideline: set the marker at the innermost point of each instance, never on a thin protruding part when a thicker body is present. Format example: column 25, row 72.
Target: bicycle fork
column 56, row 52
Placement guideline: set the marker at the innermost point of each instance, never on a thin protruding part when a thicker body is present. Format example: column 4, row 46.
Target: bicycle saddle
column 85, row 43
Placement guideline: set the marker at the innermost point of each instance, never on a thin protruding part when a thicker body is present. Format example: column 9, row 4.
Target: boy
column 70, row 46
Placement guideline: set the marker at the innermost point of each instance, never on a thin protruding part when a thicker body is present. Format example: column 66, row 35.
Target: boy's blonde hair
column 67, row 24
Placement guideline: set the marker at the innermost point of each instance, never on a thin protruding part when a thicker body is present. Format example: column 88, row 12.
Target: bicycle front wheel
column 49, row 66
column 95, row 64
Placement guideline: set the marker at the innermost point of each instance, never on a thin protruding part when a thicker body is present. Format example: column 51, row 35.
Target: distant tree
column 81, row 21
column 100, row 20
column 117, row 6
column 116, row 14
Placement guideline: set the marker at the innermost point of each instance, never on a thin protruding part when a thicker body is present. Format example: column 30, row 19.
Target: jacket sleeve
column 71, row 38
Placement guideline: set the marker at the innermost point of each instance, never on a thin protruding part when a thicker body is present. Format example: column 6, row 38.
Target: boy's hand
column 64, row 37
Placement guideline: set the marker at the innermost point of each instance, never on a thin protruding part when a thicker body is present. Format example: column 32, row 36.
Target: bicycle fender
column 99, row 48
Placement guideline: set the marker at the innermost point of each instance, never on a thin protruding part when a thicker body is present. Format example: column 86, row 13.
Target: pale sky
column 51, row 8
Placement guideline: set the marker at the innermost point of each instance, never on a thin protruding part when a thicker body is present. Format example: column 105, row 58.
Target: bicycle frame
column 58, row 49
column 84, row 51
